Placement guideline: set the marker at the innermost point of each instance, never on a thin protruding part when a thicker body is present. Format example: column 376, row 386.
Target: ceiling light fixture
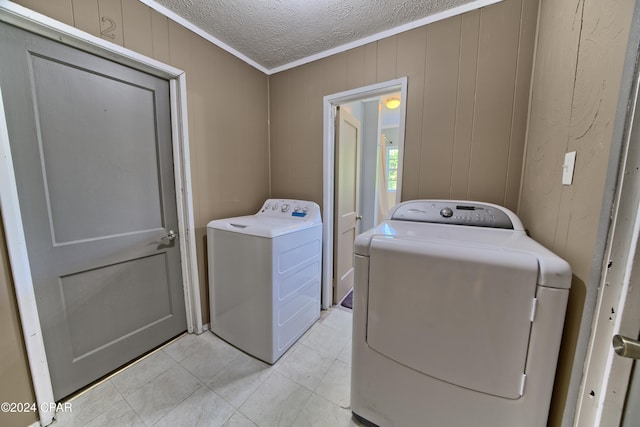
column 392, row 103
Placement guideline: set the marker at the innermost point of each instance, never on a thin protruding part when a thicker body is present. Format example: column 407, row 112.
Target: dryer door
column 457, row 313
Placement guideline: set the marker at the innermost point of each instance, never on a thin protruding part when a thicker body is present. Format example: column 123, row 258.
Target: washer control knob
column 446, row 212
column 284, row 208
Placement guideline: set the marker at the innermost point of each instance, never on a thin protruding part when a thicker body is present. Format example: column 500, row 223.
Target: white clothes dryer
column 458, row 318
column 264, row 276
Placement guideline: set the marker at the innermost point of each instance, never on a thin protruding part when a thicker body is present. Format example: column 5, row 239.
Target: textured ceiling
column 274, row 33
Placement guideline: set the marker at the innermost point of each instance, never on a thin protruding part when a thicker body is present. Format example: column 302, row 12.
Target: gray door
column 92, row 152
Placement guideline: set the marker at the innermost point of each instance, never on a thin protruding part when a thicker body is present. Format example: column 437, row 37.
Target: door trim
column 330, row 102
column 34, row 22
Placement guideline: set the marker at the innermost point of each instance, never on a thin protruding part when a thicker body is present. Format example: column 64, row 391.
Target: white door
column 346, row 201
column 92, row 153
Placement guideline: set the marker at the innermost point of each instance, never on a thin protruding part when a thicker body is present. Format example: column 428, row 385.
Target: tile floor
column 200, row 380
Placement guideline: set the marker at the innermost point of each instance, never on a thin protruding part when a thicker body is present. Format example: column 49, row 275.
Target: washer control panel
column 457, row 212
column 294, row 209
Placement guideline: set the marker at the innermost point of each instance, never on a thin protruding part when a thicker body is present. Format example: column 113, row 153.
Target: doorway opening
column 379, row 156
column 375, row 168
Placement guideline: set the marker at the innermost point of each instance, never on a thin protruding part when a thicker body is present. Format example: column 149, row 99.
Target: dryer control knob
column 446, row 212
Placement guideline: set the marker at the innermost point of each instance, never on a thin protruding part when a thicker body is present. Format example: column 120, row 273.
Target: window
column 392, row 168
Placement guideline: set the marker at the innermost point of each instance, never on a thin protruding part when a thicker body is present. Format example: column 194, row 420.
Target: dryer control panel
column 457, row 212
column 293, row 209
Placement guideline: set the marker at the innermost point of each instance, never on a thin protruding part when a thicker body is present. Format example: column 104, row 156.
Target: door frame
column 330, row 102
column 26, row 19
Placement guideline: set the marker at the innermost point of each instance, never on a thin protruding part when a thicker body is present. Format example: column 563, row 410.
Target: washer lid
column 261, row 226
column 453, row 312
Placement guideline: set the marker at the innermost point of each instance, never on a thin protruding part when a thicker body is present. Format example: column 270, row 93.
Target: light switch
column 567, row 168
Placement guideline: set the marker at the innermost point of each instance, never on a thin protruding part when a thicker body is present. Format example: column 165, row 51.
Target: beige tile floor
column 200, row 380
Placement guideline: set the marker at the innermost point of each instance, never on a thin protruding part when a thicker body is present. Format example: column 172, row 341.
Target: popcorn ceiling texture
column 277, row 32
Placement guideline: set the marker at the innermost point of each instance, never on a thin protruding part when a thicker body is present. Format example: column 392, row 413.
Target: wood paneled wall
column 228, row 122
column 575, row 88
column 468, row 92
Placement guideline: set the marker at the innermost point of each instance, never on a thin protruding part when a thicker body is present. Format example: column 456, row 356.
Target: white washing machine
column 458, row 317
column 264, row 276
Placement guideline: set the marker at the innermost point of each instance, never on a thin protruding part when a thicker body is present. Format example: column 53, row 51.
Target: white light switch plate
column 567, row 168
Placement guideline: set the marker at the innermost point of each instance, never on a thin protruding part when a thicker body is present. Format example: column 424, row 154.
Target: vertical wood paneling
column 315, row 117
column 136, row 21
column 549, row 117
column 222, row 135
column 111, row 21
column 255, row 104
column 439, row 114
column 465, row 119
column 465, row 105
column 594, row 101
column 86, row 16
column 302, row 152
column 387, row 58
column 335, row 73
column 356, row 67
column 579, row 57
column 370, row 60
column 160, row 36
column 497, row 55
column 60, row 10
column 305, row 151
column 412, row 47
column 528, row 26
column 206, row 162
column 304, row 125
column 280, row 155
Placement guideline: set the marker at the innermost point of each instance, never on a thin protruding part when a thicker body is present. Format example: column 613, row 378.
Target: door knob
column 358, row 217
column 626, row 347
column 171, row 236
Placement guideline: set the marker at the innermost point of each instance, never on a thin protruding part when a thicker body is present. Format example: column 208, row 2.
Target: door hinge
column 534, row 307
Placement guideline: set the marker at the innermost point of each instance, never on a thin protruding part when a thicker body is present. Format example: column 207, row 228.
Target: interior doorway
column 380, row 158
column 377, row 168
